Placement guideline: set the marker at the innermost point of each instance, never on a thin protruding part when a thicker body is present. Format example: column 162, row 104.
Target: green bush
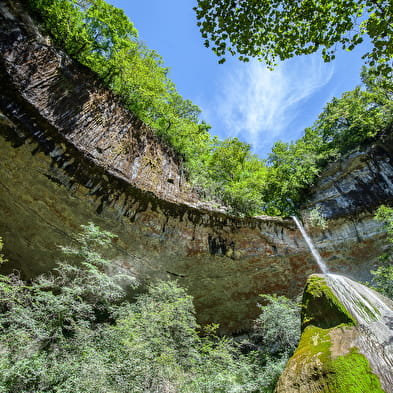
column 75, row 331
column 278, row 325
column 383, row 276
column 316, row 218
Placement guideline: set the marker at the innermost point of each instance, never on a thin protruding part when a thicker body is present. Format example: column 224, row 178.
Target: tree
column 231, row 174
column 293, row 168
column 228, row 158
column 358, row 117
column 383, row 276
column 274, row 30
column 279, row 335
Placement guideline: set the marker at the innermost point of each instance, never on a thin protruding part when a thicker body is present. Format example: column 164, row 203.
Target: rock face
column 358, row 183
column 73, row 104
column 347, row 340
column 70, row 153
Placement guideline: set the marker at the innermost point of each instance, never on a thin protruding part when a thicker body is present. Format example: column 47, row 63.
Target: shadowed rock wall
column 357, row 183
column 70, row 153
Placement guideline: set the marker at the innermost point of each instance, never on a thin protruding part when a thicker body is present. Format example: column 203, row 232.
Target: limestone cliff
column 70, row 153
column 346, row 345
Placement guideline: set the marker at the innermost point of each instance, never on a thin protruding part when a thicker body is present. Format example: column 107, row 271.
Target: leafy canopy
column 272, row 30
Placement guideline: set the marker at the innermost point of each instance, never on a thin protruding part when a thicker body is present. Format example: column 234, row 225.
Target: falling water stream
column 372, row 312
column 374, row 316
column 311, row 246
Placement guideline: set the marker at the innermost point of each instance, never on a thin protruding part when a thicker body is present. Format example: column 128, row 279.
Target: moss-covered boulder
column 321, row 307
column 339, row 352
column 325, row 362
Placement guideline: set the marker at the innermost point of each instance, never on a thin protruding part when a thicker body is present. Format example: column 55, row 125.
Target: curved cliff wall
column 70, row 153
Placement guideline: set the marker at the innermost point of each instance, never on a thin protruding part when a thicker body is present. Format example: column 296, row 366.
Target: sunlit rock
column 347, row 340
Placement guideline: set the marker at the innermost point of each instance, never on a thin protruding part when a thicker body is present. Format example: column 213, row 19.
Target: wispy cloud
column 259, row 105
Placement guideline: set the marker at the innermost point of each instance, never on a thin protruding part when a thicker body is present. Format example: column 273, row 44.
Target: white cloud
column 259, row 105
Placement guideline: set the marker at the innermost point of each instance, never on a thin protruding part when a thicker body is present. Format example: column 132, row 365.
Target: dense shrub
column 383, row 276
column 278, row 325
column 75, row 331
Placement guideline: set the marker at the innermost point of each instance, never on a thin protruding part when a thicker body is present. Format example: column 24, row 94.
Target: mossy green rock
column 330, row 357
column 324, row 362
column 320, row 307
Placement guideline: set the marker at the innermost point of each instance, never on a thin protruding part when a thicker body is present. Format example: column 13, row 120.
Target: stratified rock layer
column 225, row 262
column 358, row 183
column 67, row 102
column 346, row 345
column 70, row 153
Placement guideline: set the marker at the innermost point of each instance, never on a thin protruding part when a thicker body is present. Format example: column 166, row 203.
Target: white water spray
column 372, row 312
column 374, row 316
column 311, row 246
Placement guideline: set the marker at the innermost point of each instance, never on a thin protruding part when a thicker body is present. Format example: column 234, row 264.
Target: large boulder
column 347, row 340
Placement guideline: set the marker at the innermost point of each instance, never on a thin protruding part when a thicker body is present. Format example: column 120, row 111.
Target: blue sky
column 243, row 100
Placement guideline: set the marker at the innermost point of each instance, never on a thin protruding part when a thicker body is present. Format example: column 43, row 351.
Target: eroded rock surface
column 65, row 100
column 358, row 183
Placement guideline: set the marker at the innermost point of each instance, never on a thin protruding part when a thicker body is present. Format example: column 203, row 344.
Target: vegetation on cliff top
column 101, row 37
column 76, row 329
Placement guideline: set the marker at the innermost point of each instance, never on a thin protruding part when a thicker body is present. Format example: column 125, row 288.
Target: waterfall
column 372, row 312
column 364, row 304
column 374, row 315
column 311, row 246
